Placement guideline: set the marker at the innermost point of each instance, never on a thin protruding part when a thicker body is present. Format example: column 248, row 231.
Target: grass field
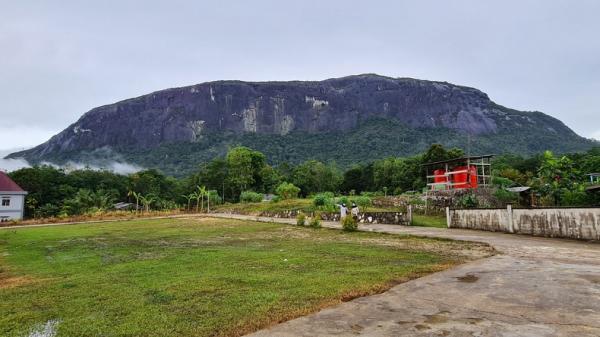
column 196, row 277
column 429, row 221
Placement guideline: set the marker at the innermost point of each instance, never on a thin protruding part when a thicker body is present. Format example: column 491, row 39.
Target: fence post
column 409, row 211
column 511, row 228
column 448, row 220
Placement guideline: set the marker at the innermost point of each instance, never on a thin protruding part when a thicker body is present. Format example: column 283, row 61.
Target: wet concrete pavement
column 535, row 287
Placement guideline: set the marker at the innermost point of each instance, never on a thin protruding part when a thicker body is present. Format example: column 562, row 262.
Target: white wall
column 573, row 223
column 15, row 210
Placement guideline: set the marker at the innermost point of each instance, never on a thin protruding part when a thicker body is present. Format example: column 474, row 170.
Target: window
column 5, row 201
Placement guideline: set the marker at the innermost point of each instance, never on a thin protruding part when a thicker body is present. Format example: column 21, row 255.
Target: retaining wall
column 572, row 223
column 393, row 218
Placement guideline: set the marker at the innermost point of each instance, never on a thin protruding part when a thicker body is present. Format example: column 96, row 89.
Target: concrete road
column 535, row 287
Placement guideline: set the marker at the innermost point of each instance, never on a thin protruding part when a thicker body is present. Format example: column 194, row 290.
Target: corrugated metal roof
column 8, row 185
column 518, row 189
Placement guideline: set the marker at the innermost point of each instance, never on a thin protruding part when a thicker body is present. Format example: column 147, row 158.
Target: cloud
column 113, row 166
column 60, row 61
column 8, row 165
column 116, row 166
column 596, row 135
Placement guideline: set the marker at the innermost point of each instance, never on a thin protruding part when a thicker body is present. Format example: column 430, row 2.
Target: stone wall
column 393, row 218
column 435, row 202
column 572, row 223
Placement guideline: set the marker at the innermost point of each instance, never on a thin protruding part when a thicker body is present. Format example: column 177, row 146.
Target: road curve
column 536, row 287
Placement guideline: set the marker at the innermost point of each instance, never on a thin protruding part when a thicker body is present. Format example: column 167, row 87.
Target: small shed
column 12, row 199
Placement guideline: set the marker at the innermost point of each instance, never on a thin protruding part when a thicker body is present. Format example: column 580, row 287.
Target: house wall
column 572, row 223
column 15, row 210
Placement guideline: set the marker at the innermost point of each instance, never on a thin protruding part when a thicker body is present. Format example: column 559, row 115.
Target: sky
column 59, row 59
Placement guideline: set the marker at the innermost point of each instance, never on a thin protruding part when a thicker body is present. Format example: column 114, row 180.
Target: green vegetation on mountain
column 374, row 139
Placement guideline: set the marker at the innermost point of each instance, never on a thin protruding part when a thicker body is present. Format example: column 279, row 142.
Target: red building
column 459, row 173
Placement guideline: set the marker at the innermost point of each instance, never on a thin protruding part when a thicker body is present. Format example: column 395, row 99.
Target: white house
column 12, row 199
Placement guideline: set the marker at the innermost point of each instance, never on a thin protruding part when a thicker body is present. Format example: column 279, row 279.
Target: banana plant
column 189, row 198
column 147, row 200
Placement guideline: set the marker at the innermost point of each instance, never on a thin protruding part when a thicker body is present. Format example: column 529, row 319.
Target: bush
column 371, row 194
column 349, row 224
column 287, row 190
column 362, row 201
column 315, row 221
column 575, row 198
column 468, row 201
column 215, row 198
column 300, row 219
column 249, row 196
column 342, row 200
column 322, row 199
column 276, row 199
column 505, row 196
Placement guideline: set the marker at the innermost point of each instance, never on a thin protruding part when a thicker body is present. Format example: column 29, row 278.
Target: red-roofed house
column 12, row 199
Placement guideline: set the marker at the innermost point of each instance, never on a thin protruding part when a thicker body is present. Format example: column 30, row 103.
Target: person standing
column 343, row 210
column 354, row 211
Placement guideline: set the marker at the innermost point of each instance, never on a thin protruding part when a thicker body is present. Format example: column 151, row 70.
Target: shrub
column 575, row 198
column 362, row 201
column 287, row 190
column 322, row 199
column 276, row 199
column 342, row 200
column 468, row 201
column 215, row 198
column 371, row 194
column 315, row 221
column 505, row 196
column 349, row 224
column 300, row 219
column 249, row 196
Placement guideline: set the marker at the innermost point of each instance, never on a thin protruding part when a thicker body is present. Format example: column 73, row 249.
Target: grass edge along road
column 198, row 276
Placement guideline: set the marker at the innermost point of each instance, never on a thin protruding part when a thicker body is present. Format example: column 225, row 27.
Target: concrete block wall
column 572, row 223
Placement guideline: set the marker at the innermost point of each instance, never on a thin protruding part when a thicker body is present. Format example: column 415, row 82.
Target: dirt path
column 536, row 287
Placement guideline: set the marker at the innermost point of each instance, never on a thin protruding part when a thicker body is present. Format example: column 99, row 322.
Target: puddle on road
column 469, row 278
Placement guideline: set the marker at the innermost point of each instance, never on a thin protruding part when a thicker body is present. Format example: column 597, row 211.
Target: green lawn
column 196, row 277
column 429, row 221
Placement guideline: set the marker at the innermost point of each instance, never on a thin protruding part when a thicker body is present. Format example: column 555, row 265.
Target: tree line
column 244, row 173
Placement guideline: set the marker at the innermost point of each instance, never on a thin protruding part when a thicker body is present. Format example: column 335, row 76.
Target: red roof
column 8, row 185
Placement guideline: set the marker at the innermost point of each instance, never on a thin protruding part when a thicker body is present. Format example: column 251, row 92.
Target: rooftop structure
column 459, row 173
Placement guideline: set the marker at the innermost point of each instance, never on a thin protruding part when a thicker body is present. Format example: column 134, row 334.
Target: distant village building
column 12, row 199
column 460, row 173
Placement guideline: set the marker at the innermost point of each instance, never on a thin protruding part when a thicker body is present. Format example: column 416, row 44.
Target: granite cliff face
column 188, row 114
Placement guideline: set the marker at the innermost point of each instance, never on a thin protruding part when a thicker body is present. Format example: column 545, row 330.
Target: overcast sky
column 59, row 59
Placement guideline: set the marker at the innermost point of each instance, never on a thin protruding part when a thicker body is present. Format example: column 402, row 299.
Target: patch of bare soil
column 12, row 282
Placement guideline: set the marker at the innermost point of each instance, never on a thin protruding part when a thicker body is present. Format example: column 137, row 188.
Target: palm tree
column 208, row 200
column 202, row 193
column 137, row 198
